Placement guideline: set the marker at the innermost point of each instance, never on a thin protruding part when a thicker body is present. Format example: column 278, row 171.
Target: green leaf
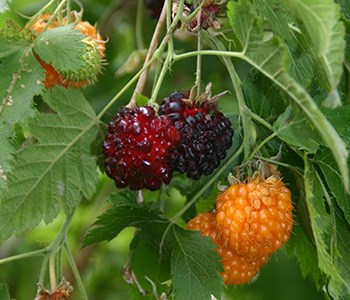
column 62, row 47
column 320, row 21
column 306, row 255
column 288, row 127
column 125, row 213
column 345, row 8
column 195, row 266
column 21, row 79
column 332, row 176
column 9, row 47
column 271, row 59
column 56, row 170
column 279, row 20
column 148, row 260
column 4, row 292
column 324, row 231
column 6, row 150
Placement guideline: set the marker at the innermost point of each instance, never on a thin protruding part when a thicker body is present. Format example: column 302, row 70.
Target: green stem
column 43, row 269
column 34, row 253
column 52, row 271
column 46, row 7
column 69, row 10
column 208, row 52
column 139, row 21
column 178, row 215
column 170, row 53
column 199, row 61
column 160, row 79
column 257, row 118
column 150, row 54
column 75, row 271
column 239, row 94
column 275, row 162
column 57, row 10
column 257, row 149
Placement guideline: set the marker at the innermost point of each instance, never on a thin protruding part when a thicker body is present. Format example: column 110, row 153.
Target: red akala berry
column 206, row 134
column 136, row 148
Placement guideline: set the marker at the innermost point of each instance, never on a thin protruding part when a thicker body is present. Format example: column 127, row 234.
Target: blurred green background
column 101, row 264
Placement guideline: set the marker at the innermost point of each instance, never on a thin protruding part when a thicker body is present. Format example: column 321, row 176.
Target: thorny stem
column 151, row 51
column 57, row 10
column 69, row 9
column 75, row 271
column 139, row 21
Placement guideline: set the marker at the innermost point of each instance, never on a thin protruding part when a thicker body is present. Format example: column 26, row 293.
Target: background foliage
column 291, row 60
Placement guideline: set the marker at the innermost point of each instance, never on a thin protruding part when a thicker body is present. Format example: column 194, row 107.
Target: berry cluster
column 190, row 136
column 251, row 221
column 92, row 58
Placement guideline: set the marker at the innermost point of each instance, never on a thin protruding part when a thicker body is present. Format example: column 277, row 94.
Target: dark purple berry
column 206, row 134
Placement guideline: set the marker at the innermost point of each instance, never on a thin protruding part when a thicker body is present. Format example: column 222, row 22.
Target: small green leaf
column 123, row 214
column 141, row 99
column 195, row 266
column 62, row 47
column 56, row 170
column 4, row 292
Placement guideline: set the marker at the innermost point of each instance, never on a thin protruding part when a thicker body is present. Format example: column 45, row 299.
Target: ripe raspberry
column 206, row 134
column 154, row 7
column 256, row 216
column 136, row 147
column 237, row 269
column 94, row 51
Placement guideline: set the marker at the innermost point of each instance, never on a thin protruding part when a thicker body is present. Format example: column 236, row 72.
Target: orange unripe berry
column 255, row 217
column 237, row 269
column 95, row 42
